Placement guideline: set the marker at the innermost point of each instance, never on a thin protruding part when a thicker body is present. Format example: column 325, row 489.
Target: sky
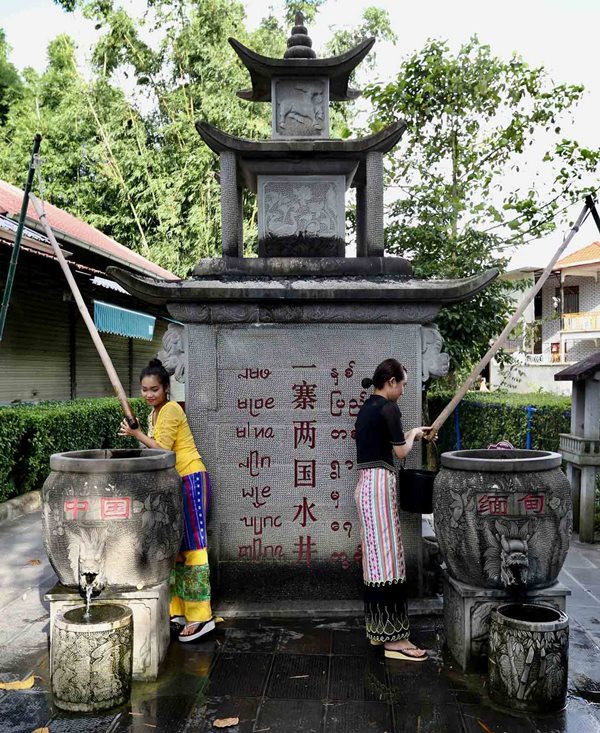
column 561, row 35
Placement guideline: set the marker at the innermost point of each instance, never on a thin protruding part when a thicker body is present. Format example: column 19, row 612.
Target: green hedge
column 30, row 434
column 487, row 418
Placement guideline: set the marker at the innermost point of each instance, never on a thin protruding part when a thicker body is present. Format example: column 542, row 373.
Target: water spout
column 91, row 548
column 88, row 600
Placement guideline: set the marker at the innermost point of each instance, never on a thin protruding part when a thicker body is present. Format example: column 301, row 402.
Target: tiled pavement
column 288, row 675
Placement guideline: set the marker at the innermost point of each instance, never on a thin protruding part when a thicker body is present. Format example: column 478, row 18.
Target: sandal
column 201, row 630
column 402, row 654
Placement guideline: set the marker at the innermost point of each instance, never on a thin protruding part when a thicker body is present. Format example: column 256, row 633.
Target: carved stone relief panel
column 300, row 108
column 301, row 206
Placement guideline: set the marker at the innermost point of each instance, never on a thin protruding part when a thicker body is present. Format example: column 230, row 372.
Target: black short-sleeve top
column 378, row 428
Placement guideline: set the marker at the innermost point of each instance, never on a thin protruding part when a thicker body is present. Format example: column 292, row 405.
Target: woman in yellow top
column 168, row 428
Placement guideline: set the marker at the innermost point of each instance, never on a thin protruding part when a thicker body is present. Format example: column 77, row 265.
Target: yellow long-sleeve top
column 172, row 432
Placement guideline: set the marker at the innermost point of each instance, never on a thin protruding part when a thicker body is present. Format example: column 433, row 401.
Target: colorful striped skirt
column 384, row 569
column 196, row 497
column 190, row 578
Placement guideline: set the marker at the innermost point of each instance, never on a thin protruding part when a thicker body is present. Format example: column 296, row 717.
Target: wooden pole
column 103, row 353
column 450, row 407
column 18, row 236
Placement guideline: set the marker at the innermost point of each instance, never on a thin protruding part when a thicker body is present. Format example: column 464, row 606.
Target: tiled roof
column 11, row 198
column 591, row 253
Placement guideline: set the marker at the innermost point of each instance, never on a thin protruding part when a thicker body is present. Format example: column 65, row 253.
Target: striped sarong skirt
column 190, row 578
column 384, row 570
column 196, row 498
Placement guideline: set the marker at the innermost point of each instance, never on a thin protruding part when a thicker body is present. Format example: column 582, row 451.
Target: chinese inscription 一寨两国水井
column 308, row 400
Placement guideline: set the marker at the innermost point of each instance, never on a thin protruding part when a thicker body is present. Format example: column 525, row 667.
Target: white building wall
column 589, row 300
column 550, row 324
column 535, row 372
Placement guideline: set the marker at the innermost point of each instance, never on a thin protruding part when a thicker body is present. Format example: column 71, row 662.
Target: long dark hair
column 155, row 368
column 384, row 372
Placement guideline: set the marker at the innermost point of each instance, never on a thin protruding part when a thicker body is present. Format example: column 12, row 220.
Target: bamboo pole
column 18, row 236
column 450, row 407
column 101, row 349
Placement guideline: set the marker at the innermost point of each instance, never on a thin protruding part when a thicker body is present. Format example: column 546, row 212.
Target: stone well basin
column 112, row 517
column 503, row 518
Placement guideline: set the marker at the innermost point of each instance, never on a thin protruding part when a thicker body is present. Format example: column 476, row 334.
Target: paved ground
column 286, row 675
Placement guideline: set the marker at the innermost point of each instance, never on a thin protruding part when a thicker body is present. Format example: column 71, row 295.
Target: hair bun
column 366, row 383
column 155, row 363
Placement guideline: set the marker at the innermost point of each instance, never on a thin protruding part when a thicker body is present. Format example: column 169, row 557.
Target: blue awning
column 123, row 322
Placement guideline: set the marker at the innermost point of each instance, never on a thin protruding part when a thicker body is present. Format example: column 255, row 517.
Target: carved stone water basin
column 112, row 517
column 503, row 518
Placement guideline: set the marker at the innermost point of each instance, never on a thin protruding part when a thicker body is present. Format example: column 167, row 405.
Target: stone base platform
column 150, row 608
column 467, row 612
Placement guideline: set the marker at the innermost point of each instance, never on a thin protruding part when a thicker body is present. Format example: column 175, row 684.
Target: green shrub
column 486, row 418
column 30, row 434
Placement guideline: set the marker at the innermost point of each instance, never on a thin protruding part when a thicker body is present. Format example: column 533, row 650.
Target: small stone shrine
column 275, row 347
column 581, row 447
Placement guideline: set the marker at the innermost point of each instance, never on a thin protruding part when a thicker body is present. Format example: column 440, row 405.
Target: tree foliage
column 120, row 149
column 467, row 176
column 10, row 83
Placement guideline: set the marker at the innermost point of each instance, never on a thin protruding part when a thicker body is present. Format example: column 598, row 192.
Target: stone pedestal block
column 150, row 609
column 274, row 424
column 467, row 612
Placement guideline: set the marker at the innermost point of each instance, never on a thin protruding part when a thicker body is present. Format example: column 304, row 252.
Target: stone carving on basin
column 503, row 518
column 112, row 518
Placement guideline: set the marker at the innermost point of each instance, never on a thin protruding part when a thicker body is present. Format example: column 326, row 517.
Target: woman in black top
column 380, row 437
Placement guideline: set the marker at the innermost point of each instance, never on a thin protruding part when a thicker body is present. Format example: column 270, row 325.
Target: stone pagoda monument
column 275, row 347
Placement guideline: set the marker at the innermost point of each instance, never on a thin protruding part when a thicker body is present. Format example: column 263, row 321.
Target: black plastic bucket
column 416, row 490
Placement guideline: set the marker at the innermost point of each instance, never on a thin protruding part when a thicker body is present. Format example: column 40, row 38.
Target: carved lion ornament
column 435, row 363
column 172, row 354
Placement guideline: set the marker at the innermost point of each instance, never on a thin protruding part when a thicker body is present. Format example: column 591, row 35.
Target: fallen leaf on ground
column 35, row 562
column 41, row 730
column 18, row 684
column 225, row 722
column 484, row 726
